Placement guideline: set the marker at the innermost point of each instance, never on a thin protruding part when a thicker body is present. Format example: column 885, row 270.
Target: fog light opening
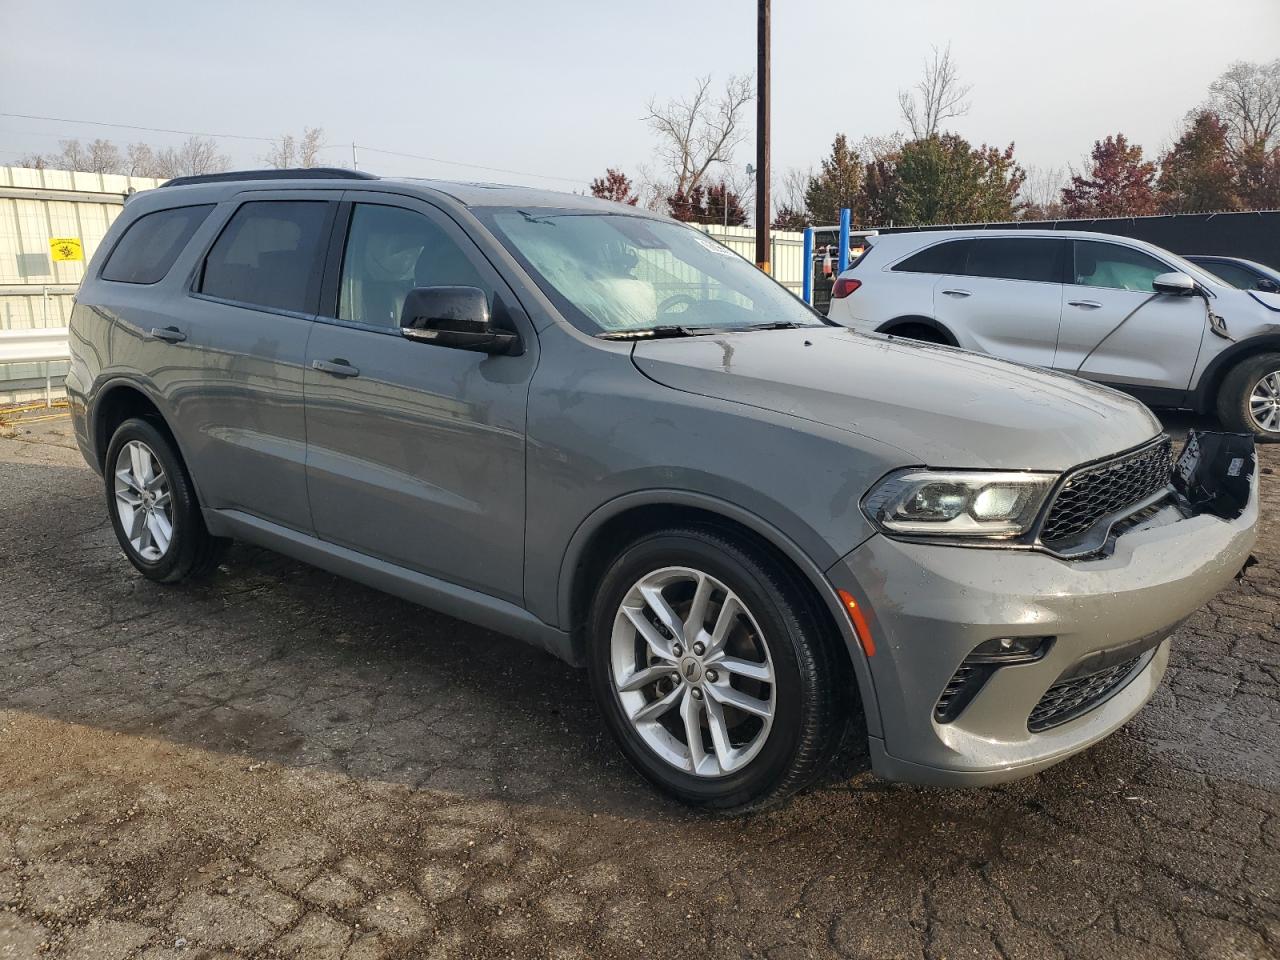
column 1005, row 650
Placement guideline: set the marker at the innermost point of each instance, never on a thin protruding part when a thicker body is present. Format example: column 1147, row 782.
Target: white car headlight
column 957, row 503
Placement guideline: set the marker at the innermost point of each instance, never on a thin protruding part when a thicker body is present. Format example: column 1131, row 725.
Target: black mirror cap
column 1268, row 286
column 455, row 317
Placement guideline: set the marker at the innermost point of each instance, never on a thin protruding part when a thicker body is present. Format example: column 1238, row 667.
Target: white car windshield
column 616, row 274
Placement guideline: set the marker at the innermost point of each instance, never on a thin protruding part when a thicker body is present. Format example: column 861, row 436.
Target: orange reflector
column 859, row 622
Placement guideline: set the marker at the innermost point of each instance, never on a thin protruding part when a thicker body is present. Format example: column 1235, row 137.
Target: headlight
column 960, row 503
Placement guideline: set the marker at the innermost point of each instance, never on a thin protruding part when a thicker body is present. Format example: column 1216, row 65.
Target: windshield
column 617, row 274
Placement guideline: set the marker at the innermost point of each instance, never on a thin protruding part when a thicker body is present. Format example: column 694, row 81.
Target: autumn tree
column 944, row 179
column 1118, row 183
column 1247, row 99
column 836, row 184
column 1258, row 178
column 290, row 152
column 696, row 132
column 706, row 204
column 938, row 97
column 1197, row 173
column 614, row 185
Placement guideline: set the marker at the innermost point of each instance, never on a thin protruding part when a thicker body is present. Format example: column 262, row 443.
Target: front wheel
column 712, row 672
column 1249, row 401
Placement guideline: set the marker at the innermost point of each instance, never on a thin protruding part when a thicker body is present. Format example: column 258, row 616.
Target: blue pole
column 807, row 288
column 845, row 220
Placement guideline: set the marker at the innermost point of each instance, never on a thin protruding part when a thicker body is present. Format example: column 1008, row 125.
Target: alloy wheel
column 143, row 501
column 1264, row 402
column 692, row 671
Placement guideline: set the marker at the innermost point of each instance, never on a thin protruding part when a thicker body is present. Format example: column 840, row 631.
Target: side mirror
column 1267, row 286
column 455, row 317
column 1174, row 284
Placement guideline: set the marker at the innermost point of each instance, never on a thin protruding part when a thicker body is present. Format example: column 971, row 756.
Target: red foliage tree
column 614, row 185
column 1120, row 183
column 708, row 205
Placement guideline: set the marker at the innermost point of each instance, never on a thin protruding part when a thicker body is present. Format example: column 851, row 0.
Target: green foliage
column 837, row 184
column 1197, row 174
column 943, row 179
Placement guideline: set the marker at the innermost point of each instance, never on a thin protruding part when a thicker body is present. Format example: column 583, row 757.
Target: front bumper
column 930, row 606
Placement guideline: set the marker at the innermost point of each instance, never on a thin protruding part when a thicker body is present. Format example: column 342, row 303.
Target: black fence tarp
column 1253, row 236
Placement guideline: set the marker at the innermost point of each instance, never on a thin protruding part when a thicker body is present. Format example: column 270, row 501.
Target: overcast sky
column 558, row 88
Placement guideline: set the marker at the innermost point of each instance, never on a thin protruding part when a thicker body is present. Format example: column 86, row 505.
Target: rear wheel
column 153, row 506
column 1249, row 399
column 918, row 331
column 712, row 672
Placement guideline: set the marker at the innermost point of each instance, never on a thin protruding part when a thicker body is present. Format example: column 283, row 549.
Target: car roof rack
column 309, row 173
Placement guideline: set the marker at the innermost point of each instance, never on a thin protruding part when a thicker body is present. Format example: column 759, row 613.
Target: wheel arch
column 897, row 323
column 1205, row 395
column 599, row 538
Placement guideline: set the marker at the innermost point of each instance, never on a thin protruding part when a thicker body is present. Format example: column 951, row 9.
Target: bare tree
column 139, row 160
column 939, row 97
column 697, row 132
column 1041, row 193
column 198, row 155
column 98, row 156
column 1247, row 98
column 293, row 152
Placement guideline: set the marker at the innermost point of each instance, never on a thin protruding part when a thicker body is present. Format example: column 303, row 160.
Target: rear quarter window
column 152, row 243
column 947, row 257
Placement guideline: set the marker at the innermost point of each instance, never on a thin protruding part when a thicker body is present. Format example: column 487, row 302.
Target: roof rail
column 309, row 173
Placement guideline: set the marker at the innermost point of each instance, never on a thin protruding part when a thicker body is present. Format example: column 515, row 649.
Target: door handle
column 168, row 334
column 1084, row 304
column 336, row 367
column 957, row 293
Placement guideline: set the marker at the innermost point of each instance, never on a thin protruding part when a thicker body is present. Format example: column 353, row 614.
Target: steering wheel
column 680, row 299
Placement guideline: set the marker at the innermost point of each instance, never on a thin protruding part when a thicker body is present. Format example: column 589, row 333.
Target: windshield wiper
column 664, row 332
column 776, row 325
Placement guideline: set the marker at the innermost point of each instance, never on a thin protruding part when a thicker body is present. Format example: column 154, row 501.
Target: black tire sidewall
column 188, row 526
column 1233, row 403
column 777, row 618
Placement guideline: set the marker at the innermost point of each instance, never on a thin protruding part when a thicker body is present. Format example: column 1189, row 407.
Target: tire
column 168, row 496
column 1258, row 376
column 918, row 332
column 757, row 761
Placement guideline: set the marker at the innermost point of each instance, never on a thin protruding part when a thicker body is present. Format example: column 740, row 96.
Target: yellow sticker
column 65, row 248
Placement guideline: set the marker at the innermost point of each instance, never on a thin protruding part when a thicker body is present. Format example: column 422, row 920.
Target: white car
column 1110, row 309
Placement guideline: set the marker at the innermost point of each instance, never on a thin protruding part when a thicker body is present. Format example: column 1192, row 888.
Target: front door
column 416, row 452
column 1117, row 329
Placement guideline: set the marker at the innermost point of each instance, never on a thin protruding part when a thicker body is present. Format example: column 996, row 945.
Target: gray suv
column 771, row 541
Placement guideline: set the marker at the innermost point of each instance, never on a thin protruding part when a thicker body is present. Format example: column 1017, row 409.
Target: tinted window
column 940, row 258
column 1111, row 265
column 151, row 243
column 1016, row 258
column 389, row 252
column 269, row 255
column 1232, row 274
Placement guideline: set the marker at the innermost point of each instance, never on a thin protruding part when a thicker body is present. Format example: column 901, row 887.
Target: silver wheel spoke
column 1264, row 402
column 720, row 736
column 733, row 697
column 662, row 610
column 745, row 668
column 725, row 620
column 642, row 678
column 160, row 530
column 659, row 644
column 698, row 608
column 656, row 708
column 691, row 714
column 143, row 502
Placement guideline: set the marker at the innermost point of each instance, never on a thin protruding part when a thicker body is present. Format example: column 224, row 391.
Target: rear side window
column 268, row 255
column 152, row 243
column 1016, row 258
column 946, row 257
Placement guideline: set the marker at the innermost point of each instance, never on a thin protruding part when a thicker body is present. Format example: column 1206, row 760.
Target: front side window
column 1100, row 264
column 152, row 243
column 1237, row 276
column 390, row 251
column 268, row 255
column 612, row 273
column 1016, row 258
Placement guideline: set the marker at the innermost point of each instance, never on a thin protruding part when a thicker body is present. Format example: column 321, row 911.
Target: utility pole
column 355, row 161
column 762, row 139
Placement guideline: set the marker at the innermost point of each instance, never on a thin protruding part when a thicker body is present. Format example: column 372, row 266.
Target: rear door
column 1117, row 329
column 416, row 451
column 1006, row 298
column 244, row 328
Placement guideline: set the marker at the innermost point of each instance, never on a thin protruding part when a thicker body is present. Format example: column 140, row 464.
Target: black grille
column 1068, row 699
column 960, row 690
column 1094, row 492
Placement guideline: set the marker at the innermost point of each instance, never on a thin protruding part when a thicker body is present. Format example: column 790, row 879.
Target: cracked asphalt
column 277, row 762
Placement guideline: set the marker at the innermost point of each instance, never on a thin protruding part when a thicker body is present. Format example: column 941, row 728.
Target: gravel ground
column 278, row 762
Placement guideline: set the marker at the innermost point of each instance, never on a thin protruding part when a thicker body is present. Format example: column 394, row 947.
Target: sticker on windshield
column 714, row 247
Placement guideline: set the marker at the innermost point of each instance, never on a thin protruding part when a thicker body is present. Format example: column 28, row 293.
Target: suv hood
column 945, row 407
